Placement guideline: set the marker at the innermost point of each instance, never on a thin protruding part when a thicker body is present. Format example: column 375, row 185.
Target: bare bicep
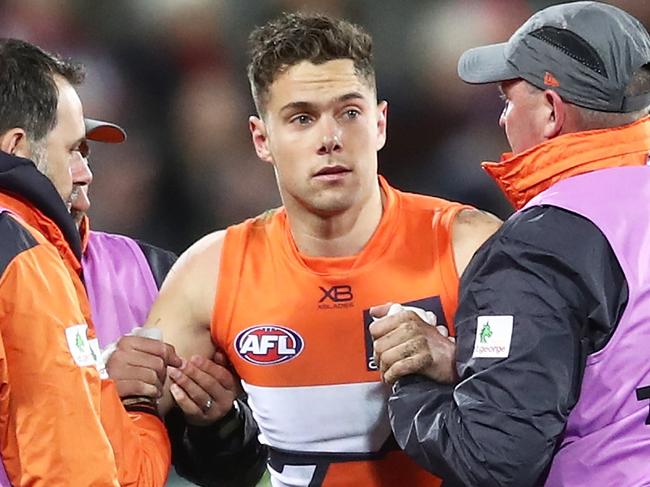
column 183, row 309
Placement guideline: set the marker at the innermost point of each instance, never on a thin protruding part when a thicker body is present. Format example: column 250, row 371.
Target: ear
column 382, row 113
column 557, row 112
column 260, row 138
column 14, row 141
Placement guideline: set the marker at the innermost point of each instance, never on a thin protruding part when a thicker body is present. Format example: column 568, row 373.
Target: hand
column 204, row 389
column 139, row 366
column 405, row 344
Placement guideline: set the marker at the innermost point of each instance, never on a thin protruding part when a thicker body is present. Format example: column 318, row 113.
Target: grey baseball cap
column 101, row 131
column 586, row 51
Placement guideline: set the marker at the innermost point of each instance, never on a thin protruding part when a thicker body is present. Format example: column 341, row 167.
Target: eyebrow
column 306, row 105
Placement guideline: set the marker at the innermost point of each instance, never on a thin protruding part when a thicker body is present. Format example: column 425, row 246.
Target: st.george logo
column 268, row 344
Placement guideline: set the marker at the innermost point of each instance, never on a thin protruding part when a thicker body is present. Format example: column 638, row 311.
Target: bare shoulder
column 190, row 286
column 471, row 228
column 203, row 255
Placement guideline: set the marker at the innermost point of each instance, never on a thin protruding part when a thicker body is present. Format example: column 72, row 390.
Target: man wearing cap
column 122, row 277
column 552, row 324
column 114, row 265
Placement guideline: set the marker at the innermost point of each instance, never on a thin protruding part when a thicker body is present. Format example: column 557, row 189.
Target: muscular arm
column 183, row 309
column 471, row 228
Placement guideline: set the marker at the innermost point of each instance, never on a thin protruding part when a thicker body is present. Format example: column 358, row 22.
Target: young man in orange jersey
column 286, row 295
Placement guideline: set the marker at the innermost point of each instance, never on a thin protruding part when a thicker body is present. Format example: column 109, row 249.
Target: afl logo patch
column 268, row 344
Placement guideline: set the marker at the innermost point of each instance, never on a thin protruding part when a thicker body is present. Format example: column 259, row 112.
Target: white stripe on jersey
column 292, row 475
column 342, row 418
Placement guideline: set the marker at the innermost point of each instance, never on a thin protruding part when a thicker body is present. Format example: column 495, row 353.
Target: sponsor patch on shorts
column 493, row 336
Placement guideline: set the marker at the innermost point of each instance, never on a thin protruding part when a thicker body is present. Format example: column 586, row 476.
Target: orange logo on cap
column 550, row 80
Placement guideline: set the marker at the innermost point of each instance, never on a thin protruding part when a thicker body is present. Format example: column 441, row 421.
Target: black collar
column 19, row 177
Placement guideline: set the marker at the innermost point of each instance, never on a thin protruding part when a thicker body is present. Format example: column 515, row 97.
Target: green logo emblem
column 486, row 333
column 79, row 343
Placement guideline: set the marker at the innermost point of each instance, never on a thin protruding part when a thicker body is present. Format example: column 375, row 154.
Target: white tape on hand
column 153, row 333
column 138, row 331
column 426, row 316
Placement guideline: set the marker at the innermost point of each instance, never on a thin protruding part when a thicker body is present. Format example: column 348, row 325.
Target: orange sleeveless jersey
column 295, row 328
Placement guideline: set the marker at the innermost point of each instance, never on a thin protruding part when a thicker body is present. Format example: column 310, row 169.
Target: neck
column 341, row 235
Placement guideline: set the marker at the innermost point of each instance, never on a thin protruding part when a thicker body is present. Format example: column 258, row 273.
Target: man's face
column 524, row 115
column 321, row 130
column 64, row 142
column 82, row 177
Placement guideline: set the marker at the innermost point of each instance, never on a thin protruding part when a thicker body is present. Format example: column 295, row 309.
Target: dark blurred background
column 172, row 72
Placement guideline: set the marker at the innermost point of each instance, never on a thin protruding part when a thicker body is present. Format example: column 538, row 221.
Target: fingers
column 150, row 346
column 220, row 358
column 189, row 407
column 380, row 311
column 143, row 344
column 208, row 374
column 171, row 358
column 415, row 364
column 404, row 331
column 128, row 387
column 200, row 386
column 204, row 390
column 387, row 324
column 405, row 344
column 139, row 365
column 403, row 350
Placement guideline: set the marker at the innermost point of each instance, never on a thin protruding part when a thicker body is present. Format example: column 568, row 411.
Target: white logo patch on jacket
column 83, row 353
column 493, row 336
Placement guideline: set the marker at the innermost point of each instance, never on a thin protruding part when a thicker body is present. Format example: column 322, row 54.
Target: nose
column 502, row 117
column 81, row 173
column 331, row 141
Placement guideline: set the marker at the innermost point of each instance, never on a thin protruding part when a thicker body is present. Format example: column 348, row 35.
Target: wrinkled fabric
column 607, row 440
column 120, row 286
column 500, row 424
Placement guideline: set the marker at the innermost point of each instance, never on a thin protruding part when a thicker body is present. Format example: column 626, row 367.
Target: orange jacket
column 60, row 423
column 523, row 176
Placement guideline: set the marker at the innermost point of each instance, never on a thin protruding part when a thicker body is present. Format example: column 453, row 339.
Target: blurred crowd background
column 172, row 72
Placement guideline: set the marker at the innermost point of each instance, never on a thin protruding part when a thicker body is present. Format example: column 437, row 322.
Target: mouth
column 333, row 172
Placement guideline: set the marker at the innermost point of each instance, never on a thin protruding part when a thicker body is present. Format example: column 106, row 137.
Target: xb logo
column 336, row 294
column 336, row 297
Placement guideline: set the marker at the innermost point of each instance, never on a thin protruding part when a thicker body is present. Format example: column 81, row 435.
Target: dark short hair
column 28, row 93
column 296, row 37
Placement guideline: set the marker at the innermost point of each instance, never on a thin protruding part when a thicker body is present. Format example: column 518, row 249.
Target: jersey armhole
column 228, row 279
column 443, row 220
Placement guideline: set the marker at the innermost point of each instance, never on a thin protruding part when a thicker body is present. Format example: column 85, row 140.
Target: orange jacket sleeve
column 50, row 428
column 140, row 442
